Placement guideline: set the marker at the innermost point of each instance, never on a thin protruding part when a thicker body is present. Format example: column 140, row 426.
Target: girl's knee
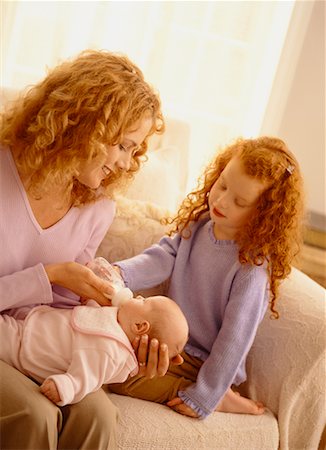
column 157, row 389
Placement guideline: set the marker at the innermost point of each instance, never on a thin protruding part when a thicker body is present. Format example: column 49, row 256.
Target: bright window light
column 212, row 62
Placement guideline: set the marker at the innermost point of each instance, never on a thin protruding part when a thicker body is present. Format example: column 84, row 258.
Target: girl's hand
column 153, row 358
column 180, row 407
column 81, row 280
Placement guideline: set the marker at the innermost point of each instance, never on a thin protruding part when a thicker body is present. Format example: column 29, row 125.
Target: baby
column 73, row 352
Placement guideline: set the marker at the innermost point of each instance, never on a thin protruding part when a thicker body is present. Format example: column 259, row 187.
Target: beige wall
column 296, row 110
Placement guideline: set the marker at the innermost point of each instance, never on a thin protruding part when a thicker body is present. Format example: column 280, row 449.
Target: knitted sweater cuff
column 202, row 413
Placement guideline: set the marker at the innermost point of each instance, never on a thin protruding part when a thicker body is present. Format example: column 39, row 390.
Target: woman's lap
column 29, row 420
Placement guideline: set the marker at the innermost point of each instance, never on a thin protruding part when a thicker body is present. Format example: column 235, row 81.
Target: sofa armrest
column 286, row 365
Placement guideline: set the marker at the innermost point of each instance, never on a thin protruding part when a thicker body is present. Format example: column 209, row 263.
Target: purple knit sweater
column 222, row 300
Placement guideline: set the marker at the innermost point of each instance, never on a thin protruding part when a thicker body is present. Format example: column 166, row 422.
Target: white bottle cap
column 121, row 296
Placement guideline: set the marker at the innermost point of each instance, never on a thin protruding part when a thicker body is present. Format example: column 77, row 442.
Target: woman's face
column 118, row 157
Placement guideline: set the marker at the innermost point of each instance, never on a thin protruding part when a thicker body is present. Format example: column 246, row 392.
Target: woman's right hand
column 81, row 280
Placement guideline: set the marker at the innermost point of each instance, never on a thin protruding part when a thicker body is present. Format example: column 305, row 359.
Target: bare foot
column 233, row 402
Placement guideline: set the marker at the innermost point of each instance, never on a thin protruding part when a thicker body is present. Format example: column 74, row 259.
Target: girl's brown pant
column 29, row 421
column 161, row 389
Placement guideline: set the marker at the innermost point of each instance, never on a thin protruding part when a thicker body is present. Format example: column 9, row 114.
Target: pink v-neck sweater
column 25, row 247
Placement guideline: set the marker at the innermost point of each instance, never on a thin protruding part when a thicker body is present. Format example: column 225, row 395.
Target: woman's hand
column 81, row 280
column 179, row 406
column 153, row 358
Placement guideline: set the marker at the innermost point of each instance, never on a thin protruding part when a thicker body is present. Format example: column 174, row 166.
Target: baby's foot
column 233, row 402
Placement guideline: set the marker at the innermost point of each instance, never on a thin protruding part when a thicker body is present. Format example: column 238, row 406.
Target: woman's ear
column 140, row 327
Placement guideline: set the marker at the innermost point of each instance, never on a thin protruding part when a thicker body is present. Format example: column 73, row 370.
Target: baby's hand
column 49, row 389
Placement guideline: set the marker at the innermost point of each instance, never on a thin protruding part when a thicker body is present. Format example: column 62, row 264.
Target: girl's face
column 118, row 156
column 232, row 199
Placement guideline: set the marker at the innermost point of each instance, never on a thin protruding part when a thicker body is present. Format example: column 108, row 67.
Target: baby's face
column 137, row 305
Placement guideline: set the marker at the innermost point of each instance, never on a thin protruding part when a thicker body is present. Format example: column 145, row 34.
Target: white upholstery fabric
column 161, row 173
column 145, row 425
column 162, row 179
column 135, row 227
column 286, row 365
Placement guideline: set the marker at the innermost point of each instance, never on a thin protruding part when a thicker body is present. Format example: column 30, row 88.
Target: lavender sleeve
column 151, row 267
column 225, row 364
column 27, row 286
column 77, row 241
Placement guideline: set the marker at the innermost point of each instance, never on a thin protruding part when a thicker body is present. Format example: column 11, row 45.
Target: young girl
column 65, row 147
column 235, row 237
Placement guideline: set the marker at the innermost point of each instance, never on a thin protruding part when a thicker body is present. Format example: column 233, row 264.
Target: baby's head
column 159, row 317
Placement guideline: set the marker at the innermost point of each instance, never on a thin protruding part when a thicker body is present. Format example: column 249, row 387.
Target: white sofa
column 286, row 365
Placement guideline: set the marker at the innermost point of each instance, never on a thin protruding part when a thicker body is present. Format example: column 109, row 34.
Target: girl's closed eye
column 240, row 204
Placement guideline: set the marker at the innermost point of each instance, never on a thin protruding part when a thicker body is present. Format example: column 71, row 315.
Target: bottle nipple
column 121, row 296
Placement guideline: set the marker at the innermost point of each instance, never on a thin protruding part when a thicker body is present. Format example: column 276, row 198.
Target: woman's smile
column 106, row 170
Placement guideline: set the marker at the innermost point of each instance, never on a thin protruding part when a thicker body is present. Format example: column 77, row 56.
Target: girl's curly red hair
column 274, row 232
column 66, row 118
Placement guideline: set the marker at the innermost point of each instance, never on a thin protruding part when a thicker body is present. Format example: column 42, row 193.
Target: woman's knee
column 96, row 419
column 24, row 408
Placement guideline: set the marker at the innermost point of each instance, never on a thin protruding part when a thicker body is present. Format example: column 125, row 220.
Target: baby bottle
column 103, row 269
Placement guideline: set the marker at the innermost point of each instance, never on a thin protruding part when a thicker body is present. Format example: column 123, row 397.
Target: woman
column 65, row 148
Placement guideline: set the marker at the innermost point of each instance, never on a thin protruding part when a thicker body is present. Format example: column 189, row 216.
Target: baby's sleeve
column 90, row 368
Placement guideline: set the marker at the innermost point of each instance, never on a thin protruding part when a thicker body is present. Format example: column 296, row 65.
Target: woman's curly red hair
column 66, row 118
column 274, row 232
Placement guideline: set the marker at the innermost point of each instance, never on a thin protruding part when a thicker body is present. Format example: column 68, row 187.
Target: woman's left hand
column 153, row 357
column 179, row 406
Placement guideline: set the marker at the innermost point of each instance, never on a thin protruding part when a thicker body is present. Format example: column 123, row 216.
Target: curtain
column 212, row 62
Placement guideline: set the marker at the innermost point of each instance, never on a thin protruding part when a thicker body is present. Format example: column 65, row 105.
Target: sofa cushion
column 136, row 226
column 153, row 426
column 159, row 180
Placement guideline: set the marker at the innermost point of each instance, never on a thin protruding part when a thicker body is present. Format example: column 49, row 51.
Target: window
column 213, row 62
